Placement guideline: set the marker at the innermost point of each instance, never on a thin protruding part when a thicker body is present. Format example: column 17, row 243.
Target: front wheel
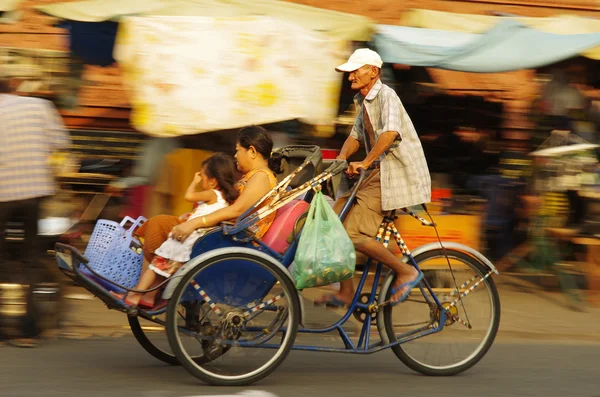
column 249, row 321
column 456, row 347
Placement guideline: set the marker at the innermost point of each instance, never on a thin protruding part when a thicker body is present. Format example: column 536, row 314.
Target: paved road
column 119, row 367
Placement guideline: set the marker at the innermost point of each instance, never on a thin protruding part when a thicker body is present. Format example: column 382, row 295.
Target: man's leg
column 31, row 249
column 362, row 225
column 4, row 262
column 5, row 211
column 346, row 292
column 31, row 256
column 373, row 249
column 404, row 272
column 355, row 218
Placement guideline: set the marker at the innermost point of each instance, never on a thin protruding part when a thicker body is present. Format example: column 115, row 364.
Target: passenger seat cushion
column 277, row 235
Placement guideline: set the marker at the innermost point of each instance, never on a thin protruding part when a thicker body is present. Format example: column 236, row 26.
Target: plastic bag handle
column 312, row 211
column 326, row 214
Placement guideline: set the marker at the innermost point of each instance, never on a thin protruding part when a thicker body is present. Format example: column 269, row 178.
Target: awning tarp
column 9, row 12
column 509, row 45
column 337, row 24
column 250, row 70
column 471, row 23
column 9, row 5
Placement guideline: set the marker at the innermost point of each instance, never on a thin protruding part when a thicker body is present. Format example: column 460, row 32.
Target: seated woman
column 254, row 161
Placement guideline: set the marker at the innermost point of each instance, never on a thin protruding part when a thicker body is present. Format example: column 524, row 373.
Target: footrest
column 72, row 262
column 68, row 257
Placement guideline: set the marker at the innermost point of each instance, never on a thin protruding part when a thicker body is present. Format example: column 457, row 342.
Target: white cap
column 360, row 58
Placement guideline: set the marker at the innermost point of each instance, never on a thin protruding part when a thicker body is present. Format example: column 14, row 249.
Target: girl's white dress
column 181, row 251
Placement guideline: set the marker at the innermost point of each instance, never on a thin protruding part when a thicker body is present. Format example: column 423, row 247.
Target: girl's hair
column 222, row 167
column 261, row 140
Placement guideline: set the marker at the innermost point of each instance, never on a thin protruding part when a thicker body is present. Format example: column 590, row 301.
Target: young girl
column 217, row 181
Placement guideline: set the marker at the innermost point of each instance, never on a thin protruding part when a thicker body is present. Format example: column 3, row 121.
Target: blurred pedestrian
column 31, row 129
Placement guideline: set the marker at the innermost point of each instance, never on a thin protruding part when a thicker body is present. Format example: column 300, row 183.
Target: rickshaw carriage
column 233, row 311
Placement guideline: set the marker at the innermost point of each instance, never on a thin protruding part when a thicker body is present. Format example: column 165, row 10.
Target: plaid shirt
column 405, row 179
column 30, row 130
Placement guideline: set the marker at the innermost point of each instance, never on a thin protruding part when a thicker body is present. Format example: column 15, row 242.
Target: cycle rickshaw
column 233, row 311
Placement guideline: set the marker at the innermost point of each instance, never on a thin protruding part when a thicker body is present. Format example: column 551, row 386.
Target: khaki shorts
column 365, row 217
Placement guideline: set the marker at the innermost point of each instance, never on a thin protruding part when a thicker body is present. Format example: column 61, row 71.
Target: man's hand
column 182, row 231
column 354, row 167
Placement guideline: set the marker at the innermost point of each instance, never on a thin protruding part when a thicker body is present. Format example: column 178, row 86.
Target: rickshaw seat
column 276, row 237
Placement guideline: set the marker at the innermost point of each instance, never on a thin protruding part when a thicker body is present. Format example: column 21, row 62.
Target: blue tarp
column 92, row 42
column 509, row 45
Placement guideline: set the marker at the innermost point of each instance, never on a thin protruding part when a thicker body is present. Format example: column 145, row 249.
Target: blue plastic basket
column 115, row 254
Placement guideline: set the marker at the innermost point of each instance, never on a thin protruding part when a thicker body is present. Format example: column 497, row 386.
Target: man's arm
column 352, row 143
column 383, row 144
column 350, row 147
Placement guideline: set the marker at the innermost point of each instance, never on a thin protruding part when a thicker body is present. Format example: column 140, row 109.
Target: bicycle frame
column 363, row 346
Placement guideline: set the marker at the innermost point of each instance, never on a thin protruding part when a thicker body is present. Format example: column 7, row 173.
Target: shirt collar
column 359, row 98
column 374, row 90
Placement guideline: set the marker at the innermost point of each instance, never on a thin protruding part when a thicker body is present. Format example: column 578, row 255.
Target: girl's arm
column 255, row 189
column 207, row 196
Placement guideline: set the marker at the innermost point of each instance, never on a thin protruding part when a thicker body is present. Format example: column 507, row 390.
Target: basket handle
column 126, row 220
column 138, row 222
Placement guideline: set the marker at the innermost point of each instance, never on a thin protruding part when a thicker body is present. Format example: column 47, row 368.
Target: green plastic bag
column 325, row 253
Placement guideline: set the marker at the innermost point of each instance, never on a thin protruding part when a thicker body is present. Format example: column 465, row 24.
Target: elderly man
column 402, row 179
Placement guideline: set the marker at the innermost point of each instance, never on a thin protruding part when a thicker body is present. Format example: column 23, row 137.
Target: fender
column 186, row 268
column 459, row 247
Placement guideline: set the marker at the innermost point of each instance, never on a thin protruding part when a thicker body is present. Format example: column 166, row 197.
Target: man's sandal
column 409, row 284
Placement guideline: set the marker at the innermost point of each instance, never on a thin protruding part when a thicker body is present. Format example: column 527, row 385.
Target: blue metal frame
column 237, row 232
column 364, row 346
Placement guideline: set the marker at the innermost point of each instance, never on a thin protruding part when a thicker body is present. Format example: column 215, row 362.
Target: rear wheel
column 457, row 347
column 152, row 335
column 158, row 350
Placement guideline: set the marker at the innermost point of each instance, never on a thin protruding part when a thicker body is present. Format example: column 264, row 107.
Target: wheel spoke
column 246, row 301
column 464, row 339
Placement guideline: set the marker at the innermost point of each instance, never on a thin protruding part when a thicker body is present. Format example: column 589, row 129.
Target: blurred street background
column 504, row 95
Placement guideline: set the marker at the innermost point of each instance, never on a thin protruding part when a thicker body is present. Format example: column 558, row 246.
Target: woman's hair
column 222, row 167
column 260, row 139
